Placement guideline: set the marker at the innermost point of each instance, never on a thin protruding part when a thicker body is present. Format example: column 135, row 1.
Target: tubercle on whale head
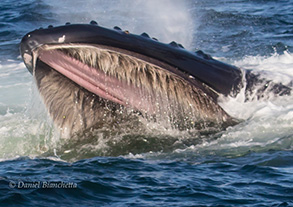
column 93, row 22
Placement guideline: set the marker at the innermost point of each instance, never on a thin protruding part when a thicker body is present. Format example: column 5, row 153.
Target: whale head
column 88, row 75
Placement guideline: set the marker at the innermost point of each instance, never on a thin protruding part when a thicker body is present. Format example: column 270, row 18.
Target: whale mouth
column 83, row 83
column 124, row 78
column 104, row 72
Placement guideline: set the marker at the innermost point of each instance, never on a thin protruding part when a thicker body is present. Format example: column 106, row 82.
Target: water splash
column 266, row 126
column 137, row 17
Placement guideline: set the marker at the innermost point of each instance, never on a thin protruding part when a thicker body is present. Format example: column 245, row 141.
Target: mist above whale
column 88, row 75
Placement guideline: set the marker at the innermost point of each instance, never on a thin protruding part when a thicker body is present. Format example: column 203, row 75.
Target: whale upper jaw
column 220, row 77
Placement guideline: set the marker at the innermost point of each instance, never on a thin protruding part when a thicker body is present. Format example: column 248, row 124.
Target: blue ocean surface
column 250, row 164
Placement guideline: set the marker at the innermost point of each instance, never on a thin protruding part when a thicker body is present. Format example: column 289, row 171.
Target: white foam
column 25, row 129
column 14, row 83
column 265, row 122
column 278, row 68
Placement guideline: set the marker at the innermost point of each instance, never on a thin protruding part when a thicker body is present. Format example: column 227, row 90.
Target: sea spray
column 136, row 17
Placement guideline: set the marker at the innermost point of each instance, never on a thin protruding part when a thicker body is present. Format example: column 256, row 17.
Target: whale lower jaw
column 84, row 85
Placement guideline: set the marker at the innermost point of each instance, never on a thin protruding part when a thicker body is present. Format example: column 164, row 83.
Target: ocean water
column 250, row 164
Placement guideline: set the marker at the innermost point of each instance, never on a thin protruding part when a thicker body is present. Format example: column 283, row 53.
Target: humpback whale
column 88, row 75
